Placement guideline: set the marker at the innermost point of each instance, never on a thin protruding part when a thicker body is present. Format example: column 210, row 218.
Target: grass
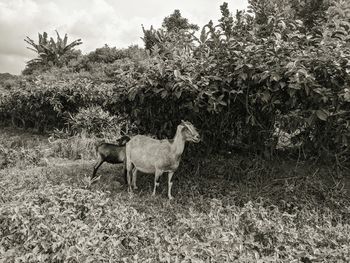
column 225, row 210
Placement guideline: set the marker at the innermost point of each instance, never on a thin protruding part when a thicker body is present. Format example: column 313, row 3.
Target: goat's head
column 189, row 132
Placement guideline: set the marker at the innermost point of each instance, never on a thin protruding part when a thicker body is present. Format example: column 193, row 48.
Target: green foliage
column 94, row 120
column 312, row 13
column 176, row 22
column 22, row 157
column 173, row 24
column 235, row 82
column 46, row 215
column 7, row 80
column 75, row 147
column 149, row 38
column 46, row 102
column 226, row 21
column 51, row 52
column 106, row 54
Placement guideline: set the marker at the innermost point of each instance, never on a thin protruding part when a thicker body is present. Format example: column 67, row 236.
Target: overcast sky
column 96, row 22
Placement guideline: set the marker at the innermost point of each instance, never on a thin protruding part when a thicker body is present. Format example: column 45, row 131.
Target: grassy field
column 226, row 209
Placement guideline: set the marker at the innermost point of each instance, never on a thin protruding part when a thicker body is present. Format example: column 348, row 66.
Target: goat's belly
column 113, row 160
column 147, row 170
column 143, row 166
column 152, row 169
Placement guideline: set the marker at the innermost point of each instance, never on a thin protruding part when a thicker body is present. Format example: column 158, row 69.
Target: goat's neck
column 178, row 145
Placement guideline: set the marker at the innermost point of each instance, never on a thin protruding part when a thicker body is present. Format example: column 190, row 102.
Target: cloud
column 12, row 63
column 96, row 22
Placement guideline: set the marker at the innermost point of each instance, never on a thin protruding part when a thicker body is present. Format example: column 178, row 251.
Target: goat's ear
column 183, row 126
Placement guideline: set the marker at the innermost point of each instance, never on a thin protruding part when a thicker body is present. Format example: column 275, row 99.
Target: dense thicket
column 276, row 64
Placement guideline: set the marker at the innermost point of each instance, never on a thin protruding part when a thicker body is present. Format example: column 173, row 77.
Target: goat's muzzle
column 196, row 139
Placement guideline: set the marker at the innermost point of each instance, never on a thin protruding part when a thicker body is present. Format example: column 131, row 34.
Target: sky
column 116, row 23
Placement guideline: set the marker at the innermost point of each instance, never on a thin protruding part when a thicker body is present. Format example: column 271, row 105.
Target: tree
column 172, row 24
column 311, row 12
column 226, row 21
column 51, row 52
column 149, row 38
column 176, row 22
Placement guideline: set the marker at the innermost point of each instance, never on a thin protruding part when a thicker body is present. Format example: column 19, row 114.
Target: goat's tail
column 98, row 143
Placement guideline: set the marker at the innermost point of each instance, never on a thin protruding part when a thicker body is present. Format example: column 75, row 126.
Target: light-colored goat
column 153, row 156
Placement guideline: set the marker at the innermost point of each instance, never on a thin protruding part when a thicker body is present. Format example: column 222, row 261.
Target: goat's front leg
column 157, row 174
column 170, row 184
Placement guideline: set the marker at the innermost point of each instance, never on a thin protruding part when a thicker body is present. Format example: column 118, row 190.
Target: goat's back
column 147, row 153
column 111, row 153
column 148, row 144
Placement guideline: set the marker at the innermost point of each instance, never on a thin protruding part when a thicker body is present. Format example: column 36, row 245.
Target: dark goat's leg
column 97, row 165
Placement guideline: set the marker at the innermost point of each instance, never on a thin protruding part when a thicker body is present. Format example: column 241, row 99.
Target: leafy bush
column 94, row 120
column 234, row 82
column 46, row 101
column 75, row 147
column 19, row 157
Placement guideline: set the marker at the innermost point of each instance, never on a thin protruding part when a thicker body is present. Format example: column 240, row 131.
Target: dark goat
column 110, row 153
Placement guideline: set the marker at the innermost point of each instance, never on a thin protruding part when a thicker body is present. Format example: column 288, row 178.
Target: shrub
column 234, row 83
column 94, row 120
column 21, row 157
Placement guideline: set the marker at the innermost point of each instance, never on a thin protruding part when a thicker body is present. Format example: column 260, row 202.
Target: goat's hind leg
column 157, row 174
column 134, row 176
column 129, row 167
column 93, row 177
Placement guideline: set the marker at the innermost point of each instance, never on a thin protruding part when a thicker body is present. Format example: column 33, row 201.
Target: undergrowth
column 27, row 149
column 226, row 209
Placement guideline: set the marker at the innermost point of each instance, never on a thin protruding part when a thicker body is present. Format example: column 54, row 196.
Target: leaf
column 275, row 76
column 266, row 96
column 178, row 93
column 290, row 65
column 164, row 94
column 161, row 69
column 282, row 24
column 322, row 114
column 278, row 35
column 177, row 73
column 243, row 76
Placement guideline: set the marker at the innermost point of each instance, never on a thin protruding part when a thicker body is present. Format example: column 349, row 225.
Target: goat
column 153, row 156
column 110, row 153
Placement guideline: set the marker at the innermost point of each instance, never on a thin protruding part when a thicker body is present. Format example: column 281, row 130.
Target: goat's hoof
column 170, row 197
column 135, row 188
